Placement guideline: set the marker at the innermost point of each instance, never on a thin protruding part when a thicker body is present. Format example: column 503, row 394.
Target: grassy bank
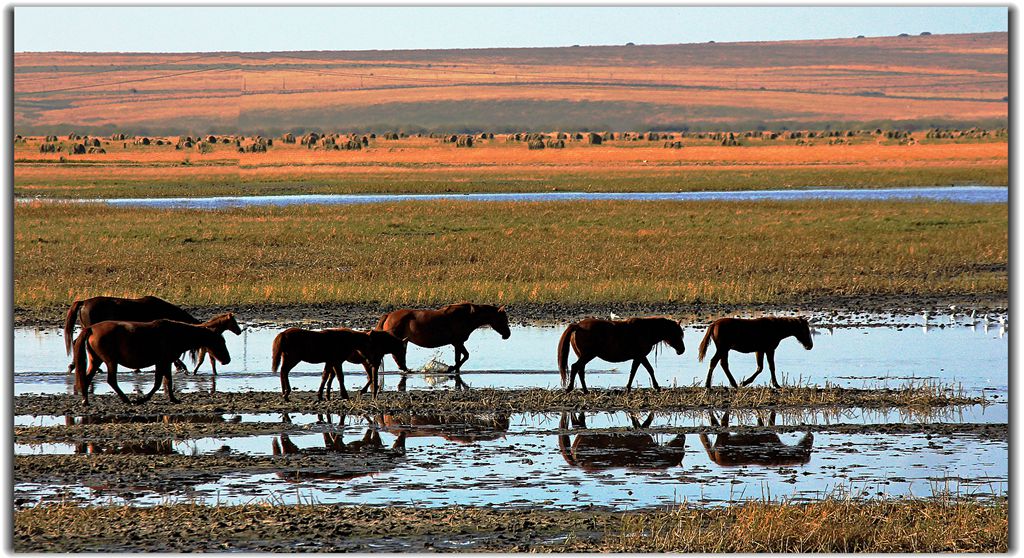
column 438, row 252
column 920, row 398
column 939, row 525
column 73, row 181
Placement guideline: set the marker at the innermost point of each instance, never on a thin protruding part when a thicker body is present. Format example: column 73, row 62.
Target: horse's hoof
column 174, row 400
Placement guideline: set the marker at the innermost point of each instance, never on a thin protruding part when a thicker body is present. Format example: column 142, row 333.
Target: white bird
column 926, row 315
column 614, row 316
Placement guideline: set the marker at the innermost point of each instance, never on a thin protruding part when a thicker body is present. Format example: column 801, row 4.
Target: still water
column 975, row 358
column 962, row 194
column 610, row 460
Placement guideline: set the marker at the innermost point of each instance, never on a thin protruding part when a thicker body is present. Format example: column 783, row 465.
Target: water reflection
column 460, row 429
column 366, row 456
column 599, row 451
column 150, row 447
column 73, row 420
column 732, row 449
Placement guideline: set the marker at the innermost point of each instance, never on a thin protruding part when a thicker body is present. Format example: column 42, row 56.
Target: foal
column 333, row 347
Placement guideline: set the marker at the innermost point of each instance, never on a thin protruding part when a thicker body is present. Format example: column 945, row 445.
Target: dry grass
column 835, row 525
column 946, row 525
column 439, row 252
column 914, row 398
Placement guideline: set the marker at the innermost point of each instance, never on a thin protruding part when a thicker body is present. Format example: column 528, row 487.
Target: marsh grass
column 835, row 525
column 942, row 524
column 563, row 252
column 919, row 397
column 128, row 182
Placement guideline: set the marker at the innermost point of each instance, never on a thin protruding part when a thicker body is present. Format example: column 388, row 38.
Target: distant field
column 424, row 165
column 920, row 81
column 428, row 253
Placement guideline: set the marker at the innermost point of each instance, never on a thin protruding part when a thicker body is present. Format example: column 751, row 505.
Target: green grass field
column 439, row 252
column 123, row 185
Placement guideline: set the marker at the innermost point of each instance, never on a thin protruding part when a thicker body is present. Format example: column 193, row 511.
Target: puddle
column 901, row 350
column 609, row 460
column 962, row 194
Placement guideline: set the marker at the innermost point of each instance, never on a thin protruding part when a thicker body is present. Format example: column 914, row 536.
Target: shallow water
column 974, row 358
column 526, row 460
column 962, row 194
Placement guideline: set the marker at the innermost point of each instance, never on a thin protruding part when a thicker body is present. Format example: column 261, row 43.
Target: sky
column 268, row 28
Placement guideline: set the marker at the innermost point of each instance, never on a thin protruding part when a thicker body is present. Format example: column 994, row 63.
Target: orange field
column 959, row 78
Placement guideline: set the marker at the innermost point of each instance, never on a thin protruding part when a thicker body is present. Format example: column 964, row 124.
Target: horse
column 615, row 341
column 635, row 450
column 220, row 324
column 449, row 325
column 111, row 308
column 333, row 347
column 760, row 335
column 755, row 448
column 138, row 345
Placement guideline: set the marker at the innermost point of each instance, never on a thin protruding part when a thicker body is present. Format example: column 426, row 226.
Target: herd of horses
column 148, row 331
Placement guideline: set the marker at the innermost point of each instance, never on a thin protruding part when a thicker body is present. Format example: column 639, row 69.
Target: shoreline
column 827, row 310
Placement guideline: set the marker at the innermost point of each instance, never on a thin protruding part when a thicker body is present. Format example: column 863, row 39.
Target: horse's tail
column 81, row 359
column 277, row 353
column 69, row 324
column 703, row 349
column 563, row 351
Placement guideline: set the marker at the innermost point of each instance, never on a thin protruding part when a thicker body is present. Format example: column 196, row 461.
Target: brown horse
column 138, row 345
column 220, row 324
column 333, row 347
column 111, row 308
column 635, row 450
column 755, row 448
column 449, row 325
column 615, row 341
column 760, row 335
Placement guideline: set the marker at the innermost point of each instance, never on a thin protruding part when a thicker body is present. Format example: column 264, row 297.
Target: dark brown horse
column 755, row 448
column 615, row 341
column 592, row 451
column 333, row 347
column 760, row 335
column 450, row 325
column 137, row 345
column 111, row 308
column 220, row 324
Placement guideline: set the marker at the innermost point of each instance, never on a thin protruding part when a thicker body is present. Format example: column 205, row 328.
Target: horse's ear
column 501, row 308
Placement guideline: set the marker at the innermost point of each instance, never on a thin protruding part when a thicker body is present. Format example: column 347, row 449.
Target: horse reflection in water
column 459, row 429
column 145, row 447
column 363, row 457
column 757, row 448
column 634, row 450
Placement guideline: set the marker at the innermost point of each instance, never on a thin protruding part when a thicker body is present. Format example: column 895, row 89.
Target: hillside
column 912, row 81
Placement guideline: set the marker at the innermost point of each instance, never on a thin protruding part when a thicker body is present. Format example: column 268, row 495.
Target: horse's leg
column 341, row 378
column 771, row 366
column 461, row 356
column 632, row 372
column 180, row 366
column 168, row 382
column 760, row 367
column 325, row 381
column 368, row 368
column 199, row 361
column 157, row 381
column 714, row 362
column 112, row 380
column 286, row 386
column 650, row 370
column 725, row 366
